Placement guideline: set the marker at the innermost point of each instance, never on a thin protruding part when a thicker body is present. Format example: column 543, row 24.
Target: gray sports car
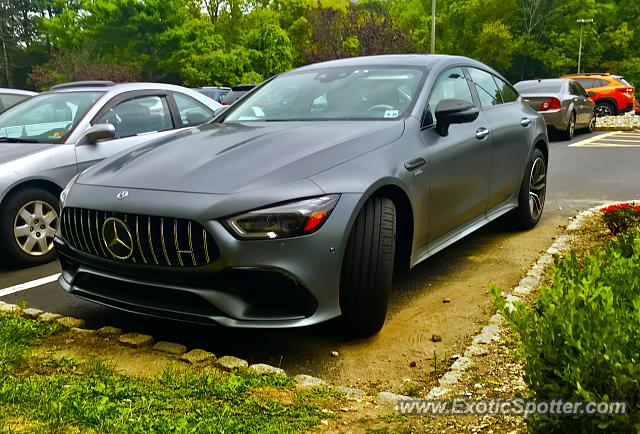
column 48, row 139
column 291, row 210
column 563, row 103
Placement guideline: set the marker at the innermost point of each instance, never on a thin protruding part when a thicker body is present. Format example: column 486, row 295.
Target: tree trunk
column 7, row 75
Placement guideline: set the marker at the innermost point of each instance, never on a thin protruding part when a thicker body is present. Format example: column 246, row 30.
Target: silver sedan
column 563, row 103
column 48, row 139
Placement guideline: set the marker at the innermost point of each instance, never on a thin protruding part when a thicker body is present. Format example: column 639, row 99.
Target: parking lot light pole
column 582, row 22
column 433, row 26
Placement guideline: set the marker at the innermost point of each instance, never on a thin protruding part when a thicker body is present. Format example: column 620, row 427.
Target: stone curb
column 492, row 331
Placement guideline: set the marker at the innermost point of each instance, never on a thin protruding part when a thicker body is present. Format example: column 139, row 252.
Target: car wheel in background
column 605, row 108
column 367, row 268
column 592, row 124
column 533, row 192
column 571, row 128
column 28, row 222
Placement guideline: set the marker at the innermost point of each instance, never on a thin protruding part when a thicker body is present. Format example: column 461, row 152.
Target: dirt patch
column 144, row 362
column 403, row 357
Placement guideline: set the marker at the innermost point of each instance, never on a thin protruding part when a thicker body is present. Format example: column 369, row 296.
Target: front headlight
column 65, row 192
column 287, row 220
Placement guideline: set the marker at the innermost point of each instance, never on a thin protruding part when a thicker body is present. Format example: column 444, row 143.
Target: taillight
column 628, row 90
column 550, row 104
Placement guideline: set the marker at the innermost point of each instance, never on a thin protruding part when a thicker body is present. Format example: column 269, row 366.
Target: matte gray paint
column 219, row 170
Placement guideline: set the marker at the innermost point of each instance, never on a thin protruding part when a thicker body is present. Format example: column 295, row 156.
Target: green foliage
column 620, row 218
column 580, row 337
column 16, row 335
column 60, row 394
column 209, row 42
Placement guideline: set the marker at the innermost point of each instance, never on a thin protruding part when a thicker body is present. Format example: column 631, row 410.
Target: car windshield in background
column 539, row 87
column 46, row 118
column 332, row 94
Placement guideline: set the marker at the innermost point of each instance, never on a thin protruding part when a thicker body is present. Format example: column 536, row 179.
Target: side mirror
column 591, row 94
column 99, row 132
column 454, row 111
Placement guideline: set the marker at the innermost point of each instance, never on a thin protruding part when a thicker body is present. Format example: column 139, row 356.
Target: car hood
column 11, row 151
column 233, row 157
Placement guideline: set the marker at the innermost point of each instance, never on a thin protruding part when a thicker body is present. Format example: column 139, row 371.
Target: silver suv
column 48, row 139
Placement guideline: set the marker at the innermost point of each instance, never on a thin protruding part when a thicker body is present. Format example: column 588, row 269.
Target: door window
column 451, row 85
column 144, row 114
column 506, row 91
column 192, row 113
column 486, row 87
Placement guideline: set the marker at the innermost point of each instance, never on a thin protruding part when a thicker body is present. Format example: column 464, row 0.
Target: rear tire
column 571, row 128
column 40, row 225
column 533, row 192
column 367, row 268
column 605, row 108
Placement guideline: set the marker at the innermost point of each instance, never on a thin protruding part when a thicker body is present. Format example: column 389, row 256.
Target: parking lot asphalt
column 583, row 172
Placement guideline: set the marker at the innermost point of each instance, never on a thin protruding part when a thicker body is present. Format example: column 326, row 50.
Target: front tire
column 367, row 268
column 533, row 192
column 28, row 221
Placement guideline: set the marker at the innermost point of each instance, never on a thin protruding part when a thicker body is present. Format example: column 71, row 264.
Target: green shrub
column 580, row 338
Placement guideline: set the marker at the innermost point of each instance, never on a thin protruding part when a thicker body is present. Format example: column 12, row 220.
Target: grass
column 63, row 395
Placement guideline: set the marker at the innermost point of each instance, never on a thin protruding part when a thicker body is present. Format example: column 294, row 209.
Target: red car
column 612, row 94
column 638, row 107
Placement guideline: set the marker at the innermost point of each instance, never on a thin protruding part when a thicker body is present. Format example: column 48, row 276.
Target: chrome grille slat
column 139, row 244
column 82, row 229
column 153, row 252
column 164, row 247
column 206, row 244
column 175, row 240
column 193, row 255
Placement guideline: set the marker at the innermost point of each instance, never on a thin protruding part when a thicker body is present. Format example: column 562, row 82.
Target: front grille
column 163, row 241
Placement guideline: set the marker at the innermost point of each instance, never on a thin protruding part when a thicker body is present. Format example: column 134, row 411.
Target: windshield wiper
column 17, row 140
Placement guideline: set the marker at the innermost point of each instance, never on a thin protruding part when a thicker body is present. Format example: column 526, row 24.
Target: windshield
column 348, row 93
column 46, row 118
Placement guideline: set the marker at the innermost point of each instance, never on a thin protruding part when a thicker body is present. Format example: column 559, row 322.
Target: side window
column 506, row 91
column 138, row 115
column 451, row 85
column 486, row 87
column 192, row 113
column 573, row 89
column 581, row 90
column 585, row 82
column 600, row 83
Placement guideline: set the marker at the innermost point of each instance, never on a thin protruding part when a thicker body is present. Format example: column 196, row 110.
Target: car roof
column 116, row 88
column 5, row 90
column 393, row 59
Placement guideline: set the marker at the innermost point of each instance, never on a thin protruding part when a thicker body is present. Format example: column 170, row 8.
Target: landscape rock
column 31, row 312
column 390, row 398
column 449, row 378
column 198, row 357
column 170, row 348
column 351, row 392
column 9, row 308
column 462, row 363
column 108, row 332
column 229, row 363
column 49, row 317
column 437, row 392
column 264, row 369
column 82, row 332
column 70, row 322
column 136, row 340
column 306, row 381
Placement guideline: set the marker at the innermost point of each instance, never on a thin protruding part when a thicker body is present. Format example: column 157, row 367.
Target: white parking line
column 29, row 285
column 614, row 139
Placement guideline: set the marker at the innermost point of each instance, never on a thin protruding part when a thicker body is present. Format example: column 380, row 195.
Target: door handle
column 525, row 122
column 482, row 133
column 415, row 164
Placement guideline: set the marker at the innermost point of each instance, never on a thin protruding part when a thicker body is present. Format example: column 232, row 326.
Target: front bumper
column 259, row 283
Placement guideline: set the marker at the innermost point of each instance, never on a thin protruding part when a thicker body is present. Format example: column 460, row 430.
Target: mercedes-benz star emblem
column 117, row 238
column 122, row 194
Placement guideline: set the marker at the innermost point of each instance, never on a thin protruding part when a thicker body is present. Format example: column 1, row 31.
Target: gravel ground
column 629, row 121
